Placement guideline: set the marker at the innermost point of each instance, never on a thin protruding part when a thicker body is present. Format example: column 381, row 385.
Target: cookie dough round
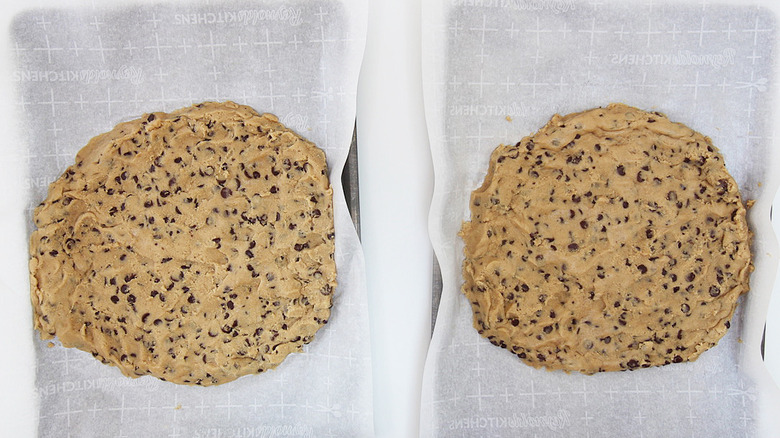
column 195, row 246
column 611, row 239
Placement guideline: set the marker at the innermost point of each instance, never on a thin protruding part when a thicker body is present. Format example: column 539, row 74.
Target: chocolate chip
column 621, row 170
column 225, row 192
column 300, row 247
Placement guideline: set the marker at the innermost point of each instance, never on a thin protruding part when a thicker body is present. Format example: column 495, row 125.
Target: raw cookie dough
column 611, row 239
column 195, row 246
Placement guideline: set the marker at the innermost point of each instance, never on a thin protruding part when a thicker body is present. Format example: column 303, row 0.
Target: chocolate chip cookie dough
column 611, row 239
column 195, row 246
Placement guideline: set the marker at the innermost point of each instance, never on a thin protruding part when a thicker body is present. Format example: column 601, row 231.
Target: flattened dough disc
column 195, row 246
column 611, row 239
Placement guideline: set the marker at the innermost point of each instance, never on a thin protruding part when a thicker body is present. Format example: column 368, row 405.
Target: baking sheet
column 496, row 71
column 81, row 69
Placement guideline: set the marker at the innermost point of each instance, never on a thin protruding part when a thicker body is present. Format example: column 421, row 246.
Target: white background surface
column 395, row 187
column 395, row 391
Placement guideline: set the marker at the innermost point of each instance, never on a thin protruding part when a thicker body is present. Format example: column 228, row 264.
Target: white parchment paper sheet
column 709, row 66
column 79, row 70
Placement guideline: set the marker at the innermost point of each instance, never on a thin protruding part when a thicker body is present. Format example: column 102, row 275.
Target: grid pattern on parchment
column 81, row 71
column 510, row 66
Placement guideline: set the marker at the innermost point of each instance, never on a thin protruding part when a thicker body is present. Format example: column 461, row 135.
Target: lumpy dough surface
column 611, row 239
column 195, row 246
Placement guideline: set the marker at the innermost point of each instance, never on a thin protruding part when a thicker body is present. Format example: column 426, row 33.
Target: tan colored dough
column 195, row 246
column 611, row 239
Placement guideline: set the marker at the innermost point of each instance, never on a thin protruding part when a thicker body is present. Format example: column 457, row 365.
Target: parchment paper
column 496, row 71
column 79, row 70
